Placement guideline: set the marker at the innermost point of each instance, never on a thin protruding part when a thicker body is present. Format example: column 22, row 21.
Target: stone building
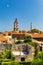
column 22, row 52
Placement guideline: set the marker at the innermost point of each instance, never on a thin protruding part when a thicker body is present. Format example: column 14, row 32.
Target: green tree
column 36, row 31
column 38, row 60
column 0, row 55
column 27, row 39
column 39, row 55
column 1, row 32
column 19, row 42
column 35, row 45
column 12, row 57
column 23, row 31
column 6, row 54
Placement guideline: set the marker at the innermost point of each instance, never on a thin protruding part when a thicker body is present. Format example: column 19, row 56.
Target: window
column 23, row 59
column 40, row 48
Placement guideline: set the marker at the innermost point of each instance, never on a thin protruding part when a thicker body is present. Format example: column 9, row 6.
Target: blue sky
column 26, row 11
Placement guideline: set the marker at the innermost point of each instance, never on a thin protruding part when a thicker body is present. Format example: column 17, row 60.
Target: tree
column 40, row 56
column 23, row 31
column 27, row 39
column 38, row 60
column 19, row 42
column 0, row 55
column 36, row 31
column 1, row 33
column 35, row 45
column 6, row 54
column 12, row 57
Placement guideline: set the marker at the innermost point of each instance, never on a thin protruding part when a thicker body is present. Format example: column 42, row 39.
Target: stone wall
column 5, row 46
column 26, row 49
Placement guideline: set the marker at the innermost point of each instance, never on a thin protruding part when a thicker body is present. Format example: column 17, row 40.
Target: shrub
column 27, row 39
column 6, row 63
column 18, row 42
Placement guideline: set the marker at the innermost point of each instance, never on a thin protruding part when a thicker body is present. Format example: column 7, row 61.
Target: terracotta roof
column 4, row 38
column 37, row 35
column 34, row 35
column 20, row 33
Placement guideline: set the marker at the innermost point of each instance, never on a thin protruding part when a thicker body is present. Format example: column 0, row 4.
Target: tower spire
column 16, row 25
column 30, row 26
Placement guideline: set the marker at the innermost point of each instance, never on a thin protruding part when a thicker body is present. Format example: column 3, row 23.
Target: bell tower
column 16, row 25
